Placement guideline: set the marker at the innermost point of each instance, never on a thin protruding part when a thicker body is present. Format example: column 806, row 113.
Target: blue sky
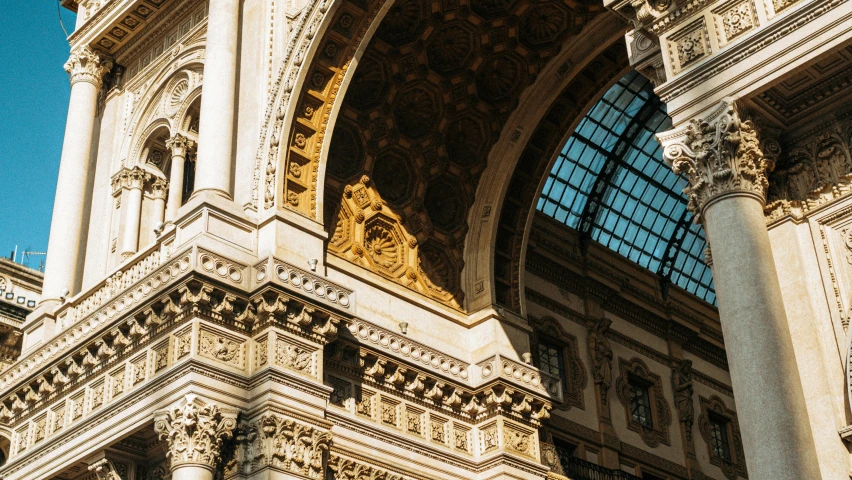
column 33, row 102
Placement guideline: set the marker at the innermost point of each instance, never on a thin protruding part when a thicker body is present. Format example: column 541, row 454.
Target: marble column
column 216, row 128
column 86, row 70
column 726, row 166
column 195, row 432
column 159, row 187
column 178, row 145
column 133, row 180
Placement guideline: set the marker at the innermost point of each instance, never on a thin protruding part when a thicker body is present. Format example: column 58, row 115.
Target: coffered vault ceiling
column 426, row 103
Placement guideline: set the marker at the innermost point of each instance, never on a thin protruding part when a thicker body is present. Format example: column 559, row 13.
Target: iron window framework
column 610, row 183
column 719, row 437
column 640, row 403
column 551, row 360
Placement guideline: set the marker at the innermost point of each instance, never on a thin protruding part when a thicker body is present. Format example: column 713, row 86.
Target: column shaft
column 176, row 187
column 192, row 472
column 723, row 158
column 130, row 240
column 770, row 401
column 64, row 245
column 216, row 135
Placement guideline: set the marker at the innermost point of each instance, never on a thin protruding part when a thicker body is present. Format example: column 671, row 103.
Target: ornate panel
column 736, row 465
column 636, row 370
column 370, row 234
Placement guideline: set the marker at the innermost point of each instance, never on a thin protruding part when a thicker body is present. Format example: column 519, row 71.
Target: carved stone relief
column 369, row 234
column 195, row 431
column 736, row 466
column 636, row 370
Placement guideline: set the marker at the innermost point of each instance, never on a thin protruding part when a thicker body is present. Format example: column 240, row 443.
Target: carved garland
column 636, row 370
column 282, row 443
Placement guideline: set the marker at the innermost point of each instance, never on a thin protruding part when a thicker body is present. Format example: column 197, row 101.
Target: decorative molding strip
column 306, row 282
column 364, row 331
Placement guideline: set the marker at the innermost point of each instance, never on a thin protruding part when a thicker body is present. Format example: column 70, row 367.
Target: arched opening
column 430, row 97
column 610, row 183
column 189, row 125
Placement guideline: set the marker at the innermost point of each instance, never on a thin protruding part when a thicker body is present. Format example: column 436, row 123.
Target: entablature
column 698, row 52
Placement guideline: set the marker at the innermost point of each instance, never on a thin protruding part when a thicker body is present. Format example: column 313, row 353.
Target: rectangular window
column 550, row 359
column 640, row 404
column 719, row 438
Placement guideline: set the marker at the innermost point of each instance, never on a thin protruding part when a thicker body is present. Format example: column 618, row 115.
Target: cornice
column 750, row 45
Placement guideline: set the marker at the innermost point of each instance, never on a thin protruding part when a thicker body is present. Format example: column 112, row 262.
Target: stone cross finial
column 195, row 432
column 86, row 65
column 719, row 155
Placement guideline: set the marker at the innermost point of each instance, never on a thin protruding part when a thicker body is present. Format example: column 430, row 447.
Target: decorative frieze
column 221, row 347
column 282, row 443
column 719, row 154
column 346, row 469
column 306, row 282
column 195, row 431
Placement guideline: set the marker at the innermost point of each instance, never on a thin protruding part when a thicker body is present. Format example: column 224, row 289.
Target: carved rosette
column 86, row 65
column 195, row 432
column 719, row 155
column 179, row 145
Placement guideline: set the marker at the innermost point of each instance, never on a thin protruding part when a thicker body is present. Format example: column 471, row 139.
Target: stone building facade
column 300, row 239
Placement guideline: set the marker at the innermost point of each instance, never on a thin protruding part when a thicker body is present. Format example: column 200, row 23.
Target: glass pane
column 636, row 204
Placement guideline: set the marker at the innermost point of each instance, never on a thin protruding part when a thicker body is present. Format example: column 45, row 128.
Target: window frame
column 574, row 379
column 714, row 408
column 634, row 371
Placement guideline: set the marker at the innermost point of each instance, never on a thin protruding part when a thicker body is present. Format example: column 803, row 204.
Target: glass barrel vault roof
column 611, row 184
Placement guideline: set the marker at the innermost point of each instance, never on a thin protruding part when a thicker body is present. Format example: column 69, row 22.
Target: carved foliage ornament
column 195, row 432
column 86, row 65
column 719, row 154
column 284, row 444
column 345, row 469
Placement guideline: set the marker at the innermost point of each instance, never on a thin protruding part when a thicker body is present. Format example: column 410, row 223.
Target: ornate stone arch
column 504, row 212
column 158, row 85
column 328, row 37
column 291, row 173
column 141, row 154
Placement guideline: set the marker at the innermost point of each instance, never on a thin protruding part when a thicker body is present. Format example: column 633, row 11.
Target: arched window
column 611, row 184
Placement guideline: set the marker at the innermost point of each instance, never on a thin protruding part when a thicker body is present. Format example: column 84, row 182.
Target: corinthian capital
column 719, row 155
column 179, row 144
column 130, row 178
column 195, row 432
column 159, row 187
column 86, row 65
